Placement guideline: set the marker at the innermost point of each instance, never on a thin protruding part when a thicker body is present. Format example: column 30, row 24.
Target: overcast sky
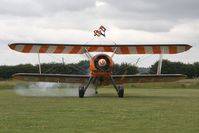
column 73, row 21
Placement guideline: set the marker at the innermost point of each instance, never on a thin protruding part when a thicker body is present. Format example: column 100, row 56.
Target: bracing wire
column 138, row 60
column 78, row 68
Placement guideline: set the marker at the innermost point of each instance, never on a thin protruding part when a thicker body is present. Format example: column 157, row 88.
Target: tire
column 120, row 91
column 81, row 91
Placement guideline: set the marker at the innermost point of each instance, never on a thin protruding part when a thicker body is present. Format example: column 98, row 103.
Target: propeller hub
column 102, row 62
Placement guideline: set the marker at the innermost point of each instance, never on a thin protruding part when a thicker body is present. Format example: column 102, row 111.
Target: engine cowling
column 101, row 65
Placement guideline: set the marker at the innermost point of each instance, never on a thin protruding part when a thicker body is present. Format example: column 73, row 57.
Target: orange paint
column 92, row 49
column 94, row 73
column 108, row 49
column 172, row 49
column 140, row 50
column 187, row 47
column 124, row 50
column 12, row 46
column 27, row 48
column 59, row 49
column 156, row 49
column 75, row 50
column 43, row 49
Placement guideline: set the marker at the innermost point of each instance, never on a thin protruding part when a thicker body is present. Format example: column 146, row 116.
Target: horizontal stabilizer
column 82, row 48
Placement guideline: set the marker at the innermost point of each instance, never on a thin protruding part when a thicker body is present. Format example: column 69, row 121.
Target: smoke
column 46, row 89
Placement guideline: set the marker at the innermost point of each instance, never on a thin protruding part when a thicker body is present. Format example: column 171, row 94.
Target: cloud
column 40, row 8
column 20, row 8
column 155, row 9
column 153, row 15
column 66, row 5
column 127, row 21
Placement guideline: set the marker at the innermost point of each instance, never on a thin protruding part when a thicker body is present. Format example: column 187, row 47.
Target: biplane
column 101, row 65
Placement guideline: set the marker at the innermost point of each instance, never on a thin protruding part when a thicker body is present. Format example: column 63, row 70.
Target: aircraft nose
column 102, row 62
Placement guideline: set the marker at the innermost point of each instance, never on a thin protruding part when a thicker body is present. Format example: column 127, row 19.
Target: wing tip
column 16, row 76
column 12, row 46
column 187, row 47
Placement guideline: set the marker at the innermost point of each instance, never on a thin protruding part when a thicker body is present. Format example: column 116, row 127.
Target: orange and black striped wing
column 81, row 48
column 153, row 49
column 47, row 48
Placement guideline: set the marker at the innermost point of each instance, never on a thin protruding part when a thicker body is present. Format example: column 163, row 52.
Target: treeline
column 81, row 68
column 168, row 67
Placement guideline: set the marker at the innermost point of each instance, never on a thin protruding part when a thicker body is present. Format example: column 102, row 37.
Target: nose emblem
column 102, row 62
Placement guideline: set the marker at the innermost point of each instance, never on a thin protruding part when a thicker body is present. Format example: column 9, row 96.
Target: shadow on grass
column 115, row 97
column 141, row 97
column 112, row 96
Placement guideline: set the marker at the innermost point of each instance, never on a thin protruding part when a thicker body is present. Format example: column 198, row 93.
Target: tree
column 124, row 69
column 169, row 67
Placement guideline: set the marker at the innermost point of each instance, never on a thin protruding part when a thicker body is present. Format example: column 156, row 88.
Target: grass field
column 146, row 108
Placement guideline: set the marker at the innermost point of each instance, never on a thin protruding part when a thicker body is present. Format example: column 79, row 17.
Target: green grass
column 142, row 110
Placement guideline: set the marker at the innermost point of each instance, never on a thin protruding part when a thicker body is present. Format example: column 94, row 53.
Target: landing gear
column 95, row 84
column 83, row 89
column 119, row 89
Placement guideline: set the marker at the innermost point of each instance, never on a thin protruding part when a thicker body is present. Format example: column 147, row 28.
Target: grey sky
column 73, row 21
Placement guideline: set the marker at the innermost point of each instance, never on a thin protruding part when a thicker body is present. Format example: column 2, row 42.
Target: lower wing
column 123, row 79
column 83, row 79
column 62, row 78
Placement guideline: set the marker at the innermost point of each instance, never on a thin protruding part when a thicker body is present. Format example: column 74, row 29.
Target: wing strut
column 87, row 53
column 39, row 63
column 159, row 65
column 114, row 52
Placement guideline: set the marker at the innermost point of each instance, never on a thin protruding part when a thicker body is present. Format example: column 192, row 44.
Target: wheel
column 81, row 91
column 120, row 91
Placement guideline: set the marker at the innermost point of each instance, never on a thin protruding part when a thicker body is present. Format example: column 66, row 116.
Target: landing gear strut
column 95, row 84
column 96, row 92
column 119, row 89
column 83, row 89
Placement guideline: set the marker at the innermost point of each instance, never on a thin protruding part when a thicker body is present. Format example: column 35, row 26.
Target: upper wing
column 82, row 48
column 123, row 79
column 62, row 78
